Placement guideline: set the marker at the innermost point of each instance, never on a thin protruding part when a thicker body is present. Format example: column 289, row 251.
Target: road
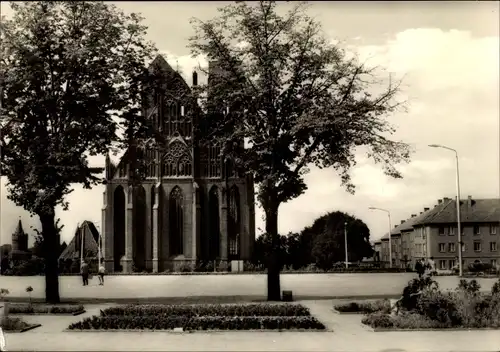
column 304, row 286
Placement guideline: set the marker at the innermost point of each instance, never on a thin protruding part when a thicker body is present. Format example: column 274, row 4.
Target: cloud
column 451, row 81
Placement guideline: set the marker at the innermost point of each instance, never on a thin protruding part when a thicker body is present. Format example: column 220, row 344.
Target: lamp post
column 345, row 240
column 460, row 270
column 390, row 228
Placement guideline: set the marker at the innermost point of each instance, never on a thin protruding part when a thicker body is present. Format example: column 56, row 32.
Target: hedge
column 166, row 322
column 365, row 307
column 16, row 308
column 282, row 310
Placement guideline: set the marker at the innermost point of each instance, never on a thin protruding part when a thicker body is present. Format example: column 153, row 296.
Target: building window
column 462, row 230
column 493, row 229
column 451, row 264
column 442, row 264
column 464, row 247
column 451, row 247
column 493, row 246
column 176, row 222
column 442, row 247
column 476, row 230
column 441, row 230
column 494, row 263
column 451, row 230
column 477, row 246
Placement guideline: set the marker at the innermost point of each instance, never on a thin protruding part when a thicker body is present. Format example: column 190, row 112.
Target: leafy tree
column 296, row 99
column 72, row 74
column 329, row 242
column 38, row 248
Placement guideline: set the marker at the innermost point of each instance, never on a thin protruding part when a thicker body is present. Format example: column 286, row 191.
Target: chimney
column 402, row 222
column 469, row 201
column 413, row 215
column 445, row 199
column 395, row 226
column 426, row 209
column 421, row 213
column 195, row 78
column 440, row 201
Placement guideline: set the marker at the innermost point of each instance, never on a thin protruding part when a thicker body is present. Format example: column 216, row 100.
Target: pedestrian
column 102, row 270
column 84, row 270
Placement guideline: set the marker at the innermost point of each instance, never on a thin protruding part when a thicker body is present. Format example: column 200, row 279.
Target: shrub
column 440, row 307
column 166, row 322
column 185, row 268
column 479, row 267
column 471, row 286
column 495, row 290
column 378, row 320
column 414, row 289
column 383, row 305
column 19, row 308
column 13, row 324
column 31, row 267
column 210, row 310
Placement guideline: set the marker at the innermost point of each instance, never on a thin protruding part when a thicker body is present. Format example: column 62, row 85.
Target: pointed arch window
column 177, row 161
column 176, row 222
column 234, row 222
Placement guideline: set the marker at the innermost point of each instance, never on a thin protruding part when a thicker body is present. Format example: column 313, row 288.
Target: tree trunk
column 50, row 251
column 273, row 267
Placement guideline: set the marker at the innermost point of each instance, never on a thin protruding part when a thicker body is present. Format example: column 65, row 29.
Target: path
column 304, row 286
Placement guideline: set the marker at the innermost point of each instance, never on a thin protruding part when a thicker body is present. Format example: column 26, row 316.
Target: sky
column 448, row 56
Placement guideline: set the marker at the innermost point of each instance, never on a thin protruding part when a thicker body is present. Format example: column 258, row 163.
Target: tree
column 329, row 240
column 295, row 99
column 38, row 246
column 71, row 75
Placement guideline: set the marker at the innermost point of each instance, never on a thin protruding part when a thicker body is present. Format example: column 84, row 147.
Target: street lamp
column 458, row 206
column 390, row 228
column 345, row 240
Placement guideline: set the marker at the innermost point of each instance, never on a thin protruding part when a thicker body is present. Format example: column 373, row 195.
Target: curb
column 195, row 331
column 433, row 329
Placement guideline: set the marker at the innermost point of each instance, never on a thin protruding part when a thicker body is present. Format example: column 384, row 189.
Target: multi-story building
column 433, row 235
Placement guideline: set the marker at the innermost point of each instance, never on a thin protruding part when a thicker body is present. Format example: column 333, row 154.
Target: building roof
column 90, row 242
column 471, row 210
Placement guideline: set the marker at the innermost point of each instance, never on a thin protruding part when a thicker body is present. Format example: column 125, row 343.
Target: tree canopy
column 296, row 99
column 72, row 77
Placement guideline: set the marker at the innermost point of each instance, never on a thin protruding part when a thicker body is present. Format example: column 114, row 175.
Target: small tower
column 19, row 243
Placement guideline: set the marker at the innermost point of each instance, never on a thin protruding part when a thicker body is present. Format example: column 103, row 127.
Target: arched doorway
column 213, row 224
column 118, row 226
column 139, row 232
column 176, row 222
column 234, row 223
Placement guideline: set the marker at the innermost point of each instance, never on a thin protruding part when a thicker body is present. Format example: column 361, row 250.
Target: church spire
column 19, row 229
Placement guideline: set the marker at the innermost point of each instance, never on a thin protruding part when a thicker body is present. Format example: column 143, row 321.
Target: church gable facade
column 190, row 207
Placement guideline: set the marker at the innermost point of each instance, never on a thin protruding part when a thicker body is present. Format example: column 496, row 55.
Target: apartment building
column 433, row 234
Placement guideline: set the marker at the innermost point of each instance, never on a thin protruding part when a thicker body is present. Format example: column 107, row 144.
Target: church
column 191, row 208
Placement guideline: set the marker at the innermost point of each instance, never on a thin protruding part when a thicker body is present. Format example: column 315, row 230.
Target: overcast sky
column 448, row 53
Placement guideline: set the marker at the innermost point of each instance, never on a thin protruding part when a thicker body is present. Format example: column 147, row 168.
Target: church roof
column 19, row 229
column 90, row 242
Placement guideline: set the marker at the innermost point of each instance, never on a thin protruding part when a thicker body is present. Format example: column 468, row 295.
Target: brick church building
column 191, row 207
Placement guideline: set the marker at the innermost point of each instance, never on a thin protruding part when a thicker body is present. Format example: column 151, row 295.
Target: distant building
column 433, row 234
column 88, row 232
column 19, row 244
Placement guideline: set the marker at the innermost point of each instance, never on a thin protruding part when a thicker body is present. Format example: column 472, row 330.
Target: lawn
column 202, row 317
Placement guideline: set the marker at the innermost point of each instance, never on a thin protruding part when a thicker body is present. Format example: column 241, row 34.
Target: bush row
column 383, row 305
column 163, row 322
column 17, row 308
column 231, row 310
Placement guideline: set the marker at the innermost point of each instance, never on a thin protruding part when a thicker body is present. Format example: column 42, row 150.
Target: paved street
column 348, row 335
column 304, row 286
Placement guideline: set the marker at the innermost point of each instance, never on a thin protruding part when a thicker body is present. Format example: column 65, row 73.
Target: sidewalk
column 348, row 335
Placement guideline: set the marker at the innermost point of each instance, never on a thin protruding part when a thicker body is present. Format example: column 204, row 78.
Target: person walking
column 101, row 272
column 84, row 270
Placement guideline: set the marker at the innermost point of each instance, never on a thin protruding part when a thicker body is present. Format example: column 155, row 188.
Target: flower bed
column 166, row 322
column 16, row 324
column 232, row 310
column 383, row 305
column 429, row 308
column 202, row 317
column 20, row 308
